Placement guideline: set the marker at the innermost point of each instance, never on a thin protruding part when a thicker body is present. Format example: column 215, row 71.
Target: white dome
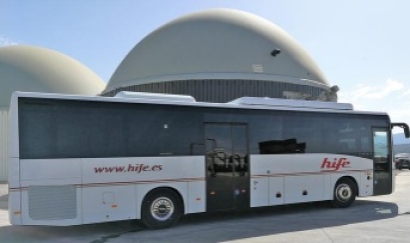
column 27, row 68
column 218, row 43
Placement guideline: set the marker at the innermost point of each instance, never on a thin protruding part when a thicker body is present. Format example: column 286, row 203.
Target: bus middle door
column 227, row 166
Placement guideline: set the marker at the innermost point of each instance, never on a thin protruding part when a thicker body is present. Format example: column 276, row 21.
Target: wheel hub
column 162, row 208
column 343, row 192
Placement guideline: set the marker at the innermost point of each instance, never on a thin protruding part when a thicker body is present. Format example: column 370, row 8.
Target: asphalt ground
column 372, row 219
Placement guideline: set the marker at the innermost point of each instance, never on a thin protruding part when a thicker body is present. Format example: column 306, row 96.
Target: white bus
column 80, row 160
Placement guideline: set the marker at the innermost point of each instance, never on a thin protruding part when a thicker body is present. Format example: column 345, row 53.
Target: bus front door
column 382, row 162
column 227, row 166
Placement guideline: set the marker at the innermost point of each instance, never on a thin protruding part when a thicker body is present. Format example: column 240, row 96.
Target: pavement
column 378, row 219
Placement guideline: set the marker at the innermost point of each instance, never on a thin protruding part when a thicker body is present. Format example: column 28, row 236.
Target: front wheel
column 344, row 193
column 161, row 209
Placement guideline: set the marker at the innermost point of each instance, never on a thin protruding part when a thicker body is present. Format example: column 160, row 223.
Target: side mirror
column 405, row 128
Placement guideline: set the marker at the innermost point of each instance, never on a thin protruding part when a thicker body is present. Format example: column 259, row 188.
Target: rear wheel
column 161, row 208
column 344, row 193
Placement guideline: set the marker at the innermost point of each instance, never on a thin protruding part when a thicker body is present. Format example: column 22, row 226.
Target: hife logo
column 335, row 164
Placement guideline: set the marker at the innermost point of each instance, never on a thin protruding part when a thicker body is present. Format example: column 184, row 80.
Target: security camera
column 275, row 52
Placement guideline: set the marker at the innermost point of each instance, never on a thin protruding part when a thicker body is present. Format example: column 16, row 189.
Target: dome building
column 27, row 68
column 217, row 56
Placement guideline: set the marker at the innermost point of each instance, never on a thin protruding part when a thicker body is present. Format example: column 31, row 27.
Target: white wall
column 4, row 146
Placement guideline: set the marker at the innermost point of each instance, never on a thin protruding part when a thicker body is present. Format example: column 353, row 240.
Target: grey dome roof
column 28, row 68
column 217, row 43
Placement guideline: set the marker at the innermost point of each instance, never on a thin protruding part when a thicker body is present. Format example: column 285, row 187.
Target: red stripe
column 101, row 184
column 309, row 173
column 141, row 182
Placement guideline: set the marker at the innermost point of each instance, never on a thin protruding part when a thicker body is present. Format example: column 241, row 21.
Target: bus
column 156, row 157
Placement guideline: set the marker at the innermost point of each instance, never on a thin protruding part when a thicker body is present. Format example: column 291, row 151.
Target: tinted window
column 76, row 129
column 36, row 128
column 303, row 132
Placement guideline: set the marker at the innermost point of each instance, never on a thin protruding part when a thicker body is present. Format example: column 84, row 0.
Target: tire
column 161, row 208
column 344, row 193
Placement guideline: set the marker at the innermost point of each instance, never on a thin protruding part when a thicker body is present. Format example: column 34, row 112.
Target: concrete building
column 219, row 55
column 27, row 68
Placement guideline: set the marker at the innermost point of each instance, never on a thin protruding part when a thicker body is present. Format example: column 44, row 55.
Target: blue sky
column 361, row 46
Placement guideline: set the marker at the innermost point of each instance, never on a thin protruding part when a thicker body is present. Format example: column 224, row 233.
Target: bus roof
column 262, row 103
column 274, row 102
